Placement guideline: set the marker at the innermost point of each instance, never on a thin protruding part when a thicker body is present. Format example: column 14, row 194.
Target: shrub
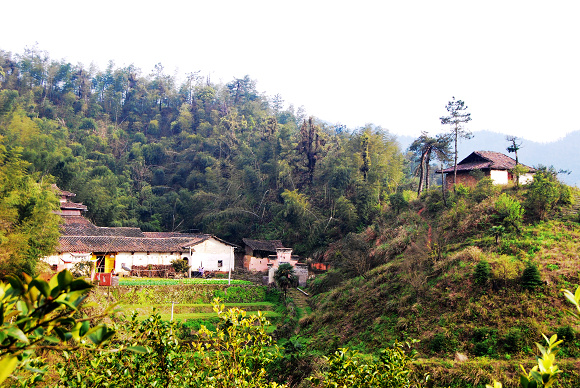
column 462, row 191
column 531, row 277
column 484, row 189
column 398, row 202
column 438, row 343
column 180, row 266
column 513, row 341
column 482, row 272
column 542, row 195
column 566, row 333
column 434, row 200
column 391, row 370
column 509, row 212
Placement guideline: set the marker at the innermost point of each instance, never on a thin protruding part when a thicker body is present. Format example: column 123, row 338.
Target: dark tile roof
column 263, row 245
column 169, row 234
column 62, row 192
column 78, row 234
column 485, row 160
column 124, row 244
column 72, row 205
column 80, row 226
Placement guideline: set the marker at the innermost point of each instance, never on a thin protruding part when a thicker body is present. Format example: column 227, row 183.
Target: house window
column 220, row 263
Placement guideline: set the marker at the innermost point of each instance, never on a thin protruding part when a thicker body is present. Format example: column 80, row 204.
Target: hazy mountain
column 562, row 154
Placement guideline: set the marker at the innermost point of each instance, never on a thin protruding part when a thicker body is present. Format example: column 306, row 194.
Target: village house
column 119, row 249
column 260, row 253
column 267, row 255
column 494, row 165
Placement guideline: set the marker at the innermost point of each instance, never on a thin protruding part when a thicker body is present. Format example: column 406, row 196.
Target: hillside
column 150, row 151
column 426, row 288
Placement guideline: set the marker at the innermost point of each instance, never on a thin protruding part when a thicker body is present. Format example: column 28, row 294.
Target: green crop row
column 170, row 282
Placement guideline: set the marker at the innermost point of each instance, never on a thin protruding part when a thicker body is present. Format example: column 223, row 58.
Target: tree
column 514, row 147
column 28, row 225
column 424, row 146
column 365, row 155
column 285, row 277
column 482, row 272
column 457, row 117
column 311, row 145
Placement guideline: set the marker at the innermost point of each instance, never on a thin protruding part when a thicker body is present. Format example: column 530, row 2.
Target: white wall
column 143, row 258
column 526, row 178
column 209, row 252
column 66, row 260
column 499, row 177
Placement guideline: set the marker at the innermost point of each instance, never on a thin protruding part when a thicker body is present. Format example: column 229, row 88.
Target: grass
column 172, row 282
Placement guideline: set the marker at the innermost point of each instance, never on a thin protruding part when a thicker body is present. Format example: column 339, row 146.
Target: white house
column 120, row 249
column 494, row 165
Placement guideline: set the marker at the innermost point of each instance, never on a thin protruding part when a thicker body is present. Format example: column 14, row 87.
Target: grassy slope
column 432, row 297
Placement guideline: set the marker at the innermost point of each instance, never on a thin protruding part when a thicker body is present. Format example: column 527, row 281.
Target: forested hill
column 146, row 150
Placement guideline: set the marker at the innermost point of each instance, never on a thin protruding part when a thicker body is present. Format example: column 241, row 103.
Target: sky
column 394, row 64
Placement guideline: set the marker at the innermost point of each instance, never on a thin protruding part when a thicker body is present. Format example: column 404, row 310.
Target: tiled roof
column 485, row 160
column 263, row 245
column 62, row 192
column 80, row 226
column 72, row 205
column 169, row 234
column 123, row 244
column 78, row 234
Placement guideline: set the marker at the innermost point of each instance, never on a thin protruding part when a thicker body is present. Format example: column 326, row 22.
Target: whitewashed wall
column 526, row 178
column 66, row 260
column 209, row 252
column 499, row 177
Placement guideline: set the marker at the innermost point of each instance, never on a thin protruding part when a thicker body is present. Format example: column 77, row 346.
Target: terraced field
column 194, row 311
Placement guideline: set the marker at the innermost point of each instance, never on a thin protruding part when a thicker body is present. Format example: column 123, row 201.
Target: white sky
column 516, row 64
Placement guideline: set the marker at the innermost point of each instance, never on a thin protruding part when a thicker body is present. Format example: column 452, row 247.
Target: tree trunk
column 455, row 159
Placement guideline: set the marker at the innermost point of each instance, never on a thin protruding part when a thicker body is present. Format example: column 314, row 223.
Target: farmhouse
column 494, row 165
column 119, row 249
column 261, row 253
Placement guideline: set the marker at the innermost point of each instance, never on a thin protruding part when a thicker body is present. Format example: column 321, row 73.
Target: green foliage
column 566, row 333
column 439, row 343
column 531, row 277
column 462, row 191
column 546, row 372
column 235, row 353
column 484, row 189
column 285, row 277
column 392, row 369
column 150, row 152
column 326, row 282
column 509, row 212
column 180, row 266
column 28, row 225
column 398, row 202
column 542, row 195
column 482, row 273
column 38, row 315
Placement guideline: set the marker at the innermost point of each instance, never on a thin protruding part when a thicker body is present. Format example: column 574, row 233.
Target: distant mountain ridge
column 562, row 154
